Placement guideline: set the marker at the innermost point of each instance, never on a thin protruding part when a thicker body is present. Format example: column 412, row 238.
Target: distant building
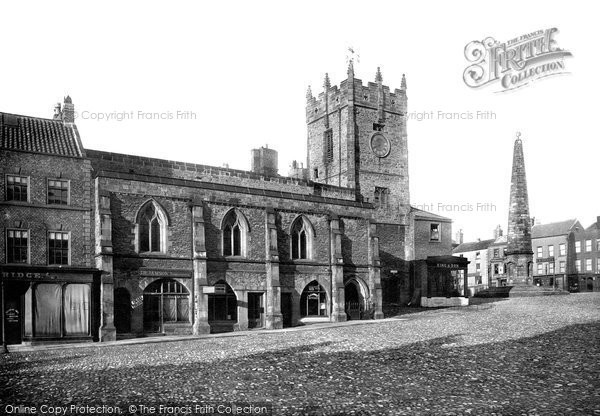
column 477, row 253
column 554, row 252
column 586, row 274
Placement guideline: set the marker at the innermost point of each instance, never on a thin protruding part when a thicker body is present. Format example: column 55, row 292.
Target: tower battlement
column 364, row 95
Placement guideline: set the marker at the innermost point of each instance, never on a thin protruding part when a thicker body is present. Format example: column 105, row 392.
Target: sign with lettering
column 27, row 275
column 165, row 273
column 137, row 302
column 448, row 266
column 11, row 316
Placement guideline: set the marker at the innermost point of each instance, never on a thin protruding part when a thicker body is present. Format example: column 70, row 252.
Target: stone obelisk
column 519, row 255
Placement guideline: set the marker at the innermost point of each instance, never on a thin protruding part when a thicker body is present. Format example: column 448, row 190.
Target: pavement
column 521, row 356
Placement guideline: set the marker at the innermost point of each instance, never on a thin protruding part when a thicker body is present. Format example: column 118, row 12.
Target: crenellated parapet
column 334, row 98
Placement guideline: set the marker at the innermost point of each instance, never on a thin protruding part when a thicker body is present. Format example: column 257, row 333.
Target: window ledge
column 303, row 261
column 152, row 254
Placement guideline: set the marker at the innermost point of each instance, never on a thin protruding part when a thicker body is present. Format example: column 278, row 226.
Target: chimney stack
column 498, row 232
column 459, row 236
column 68, row 111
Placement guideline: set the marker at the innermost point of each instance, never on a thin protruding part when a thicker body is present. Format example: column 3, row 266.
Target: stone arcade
column 182, row 248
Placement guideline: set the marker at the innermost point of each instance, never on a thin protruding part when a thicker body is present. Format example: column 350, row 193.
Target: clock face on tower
column 380, row 145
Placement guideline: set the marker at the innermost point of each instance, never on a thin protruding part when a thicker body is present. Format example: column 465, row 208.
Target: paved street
column 510, row 357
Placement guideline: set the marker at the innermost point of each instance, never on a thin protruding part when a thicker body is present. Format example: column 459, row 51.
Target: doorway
column 286, row 309
column 313, row 301
column 256, row 310
column 354, row 301
column 122, row 311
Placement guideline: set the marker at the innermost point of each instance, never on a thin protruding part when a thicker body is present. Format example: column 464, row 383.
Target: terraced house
column 121, row 244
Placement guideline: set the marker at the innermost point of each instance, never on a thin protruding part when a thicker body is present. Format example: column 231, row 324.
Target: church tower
column 519, row 252
column 357, row 139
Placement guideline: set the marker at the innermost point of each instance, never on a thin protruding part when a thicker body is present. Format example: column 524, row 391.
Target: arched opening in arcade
column 222, row 308
column 166, row 301
column 354, row 300
column 313, row 301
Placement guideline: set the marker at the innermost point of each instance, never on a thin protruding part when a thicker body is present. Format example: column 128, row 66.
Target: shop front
column 42, row 304
column 441, row 281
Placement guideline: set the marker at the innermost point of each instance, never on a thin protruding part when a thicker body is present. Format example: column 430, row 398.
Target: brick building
column 51, row 289
column 554, row 252
column 586, row 245
column 187, row 248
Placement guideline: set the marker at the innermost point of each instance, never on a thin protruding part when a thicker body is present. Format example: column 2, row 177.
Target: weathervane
column 352, row 56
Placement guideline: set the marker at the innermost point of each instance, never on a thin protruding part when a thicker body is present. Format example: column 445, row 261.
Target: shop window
column 55, row 310
column 17, row 188
column 17, row 246
column 165, row 301
column 58, row 192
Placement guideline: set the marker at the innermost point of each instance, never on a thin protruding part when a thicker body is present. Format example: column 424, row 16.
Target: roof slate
column 473, row 246
column 38, row 135
column 553, row 228
column 420, row 214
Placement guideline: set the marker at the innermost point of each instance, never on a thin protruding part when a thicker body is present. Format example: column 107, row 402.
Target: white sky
column 243, row 68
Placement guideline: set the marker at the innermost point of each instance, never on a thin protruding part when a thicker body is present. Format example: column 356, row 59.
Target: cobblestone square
column 508, row 357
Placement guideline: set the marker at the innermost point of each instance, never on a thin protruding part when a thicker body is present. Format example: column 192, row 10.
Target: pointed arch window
column 235, row 229
column 302, row 237
column 151, row 229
